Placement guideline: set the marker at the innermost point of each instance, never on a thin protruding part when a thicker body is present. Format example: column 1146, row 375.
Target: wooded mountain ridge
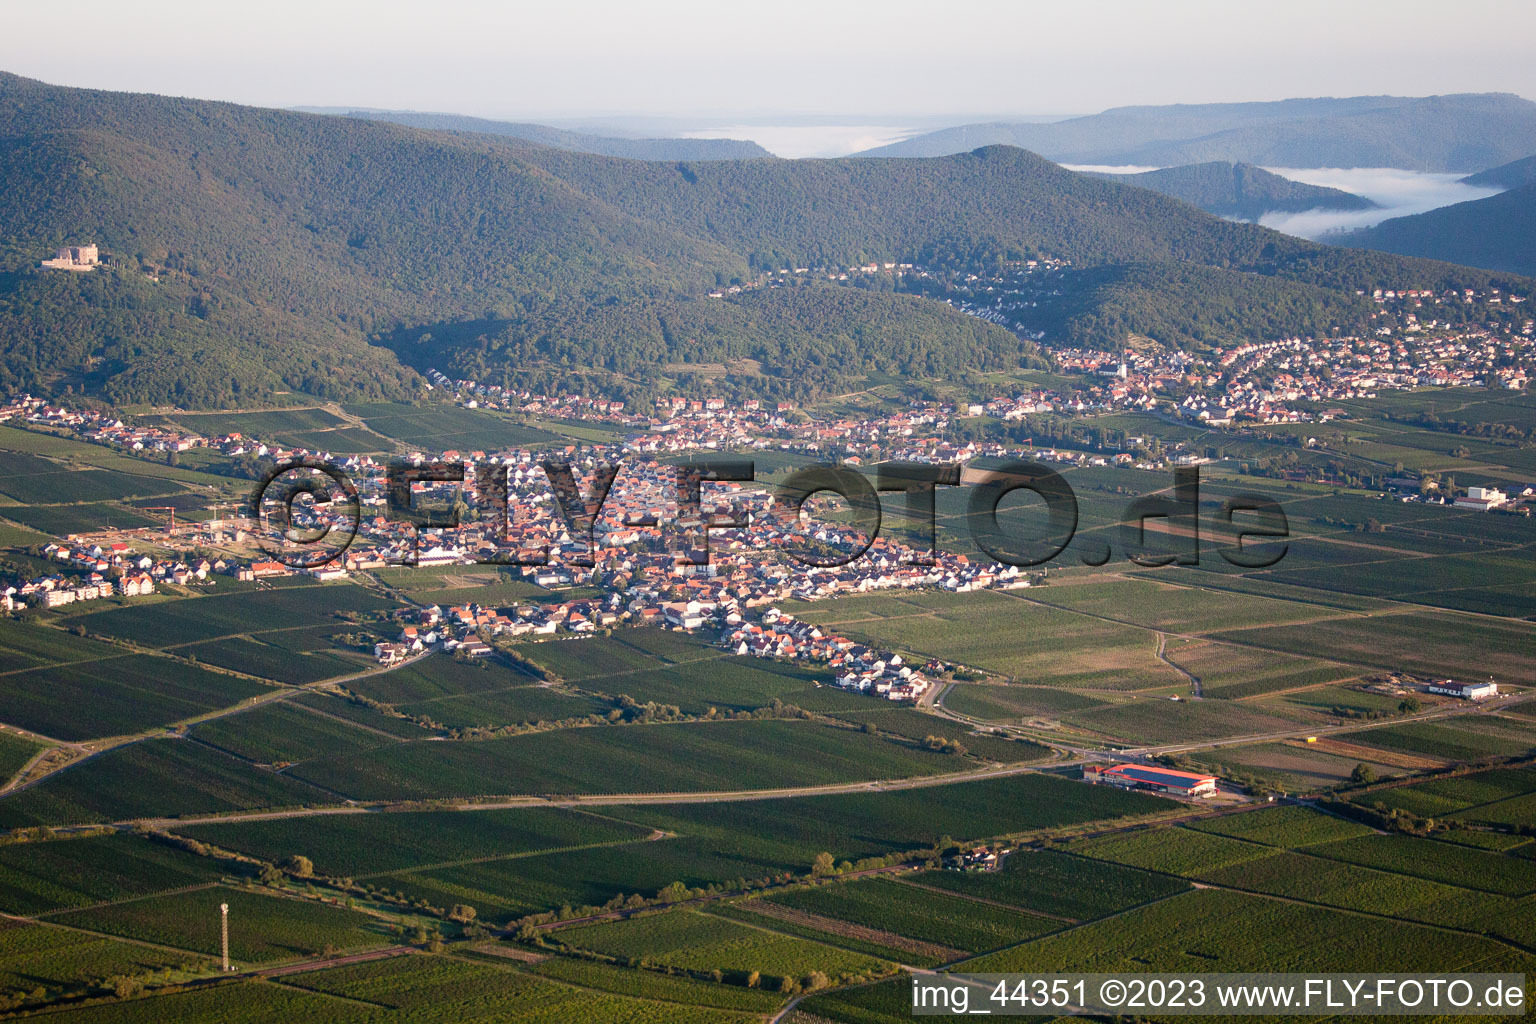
column 1459, row 132
column 1241, row 190
column 258, row 249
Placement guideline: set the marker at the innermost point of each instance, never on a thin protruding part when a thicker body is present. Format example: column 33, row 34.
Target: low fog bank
column 1396, row 193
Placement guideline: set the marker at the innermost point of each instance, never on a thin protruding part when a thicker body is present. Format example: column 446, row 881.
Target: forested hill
column 780, row 342
column 995, row 200
column 1510, row 175
column 582, row 142
column 1241, row 190
column 254, row 249
column 1462, row 132
column 1498, row 233
column 280, row 241
column 968, row 210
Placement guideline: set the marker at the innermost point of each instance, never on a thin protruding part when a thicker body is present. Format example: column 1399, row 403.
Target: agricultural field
column 245, row 1002
column 790, row 832
column 314, row 429
column 38, row 956
column 1153, row 721
column 1015, row 636
column 170, row 623
column 1445, row 578
column 59, row 485
column 1217, row 930
column 669, row 645
column 63, row 520
column 30, row 480
column 62, row 873
column 457, row 584
column 1014, row 702
column 856, row 938
column 1518, row 812
column 1314, row 858
column 441, row 427
column 1457, row 739
column 616, row 759
column 844, row 612
column 1230, row 672
column 516, row 705
column 22, row 466
column 118, row 696
column 15, row 752
column 1057, row 884
column 591, row 974
column 340, row 441
column 1440, row 797
column 1263, row 586
column 262, row 928
column 336, row 706
column 16, row 440
column 1293, row 766
column 914, row 913
column 361, row 845
column 1174, row 851
column 1440, row 862
column 505, row 888
column 1436, row 644
column 916, row 725
column 506, row 591
column 14, row 536
column 1290, row 827
column 23, row 645
column 281, row 732
column 438, row 990
column 485, row 692
column 702, row 942
column 713, row 843
column 413, row 578
column 730, row 683
column 439, row 676
column 1501, row 842
column 735, row 682
column 1176, row 609
column 592, row 657
column 418, row 982
column 296, row 660
column 262, row 425
column 1324, row 699
column 153, row 778
column 888, row 1002
column 1310, row 879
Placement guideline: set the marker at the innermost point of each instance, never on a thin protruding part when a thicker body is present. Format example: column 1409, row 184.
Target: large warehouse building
column 1140, row 776
column 1466, row 691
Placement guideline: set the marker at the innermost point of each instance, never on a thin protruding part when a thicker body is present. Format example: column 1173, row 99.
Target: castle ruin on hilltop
column 74, row 257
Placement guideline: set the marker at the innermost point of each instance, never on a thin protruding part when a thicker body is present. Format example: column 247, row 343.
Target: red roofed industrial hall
column 1164, row 780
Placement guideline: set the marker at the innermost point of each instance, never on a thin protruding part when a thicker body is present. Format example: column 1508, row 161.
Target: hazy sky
column 718, row 60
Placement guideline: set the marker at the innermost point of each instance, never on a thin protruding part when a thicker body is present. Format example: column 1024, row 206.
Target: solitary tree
column 124, row 986
column 299, row 866
column 1363, row 774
